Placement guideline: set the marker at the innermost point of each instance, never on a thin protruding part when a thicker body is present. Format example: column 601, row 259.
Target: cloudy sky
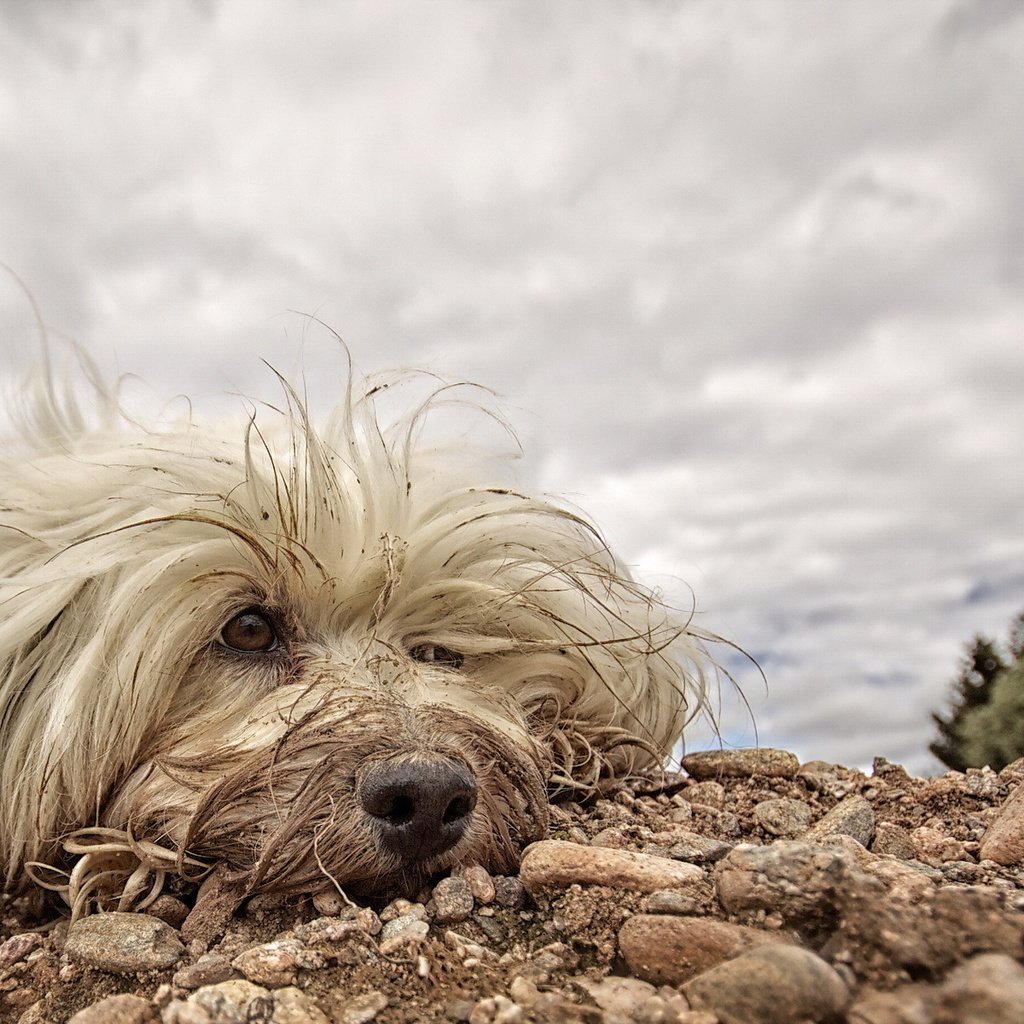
column 747, row 275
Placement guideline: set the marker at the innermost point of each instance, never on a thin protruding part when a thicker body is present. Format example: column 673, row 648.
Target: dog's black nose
column 421, row 806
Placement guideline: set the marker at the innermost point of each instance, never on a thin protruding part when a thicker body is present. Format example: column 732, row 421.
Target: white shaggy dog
column 316, row 657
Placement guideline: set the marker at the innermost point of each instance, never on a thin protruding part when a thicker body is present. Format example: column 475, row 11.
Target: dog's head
column 342, row 654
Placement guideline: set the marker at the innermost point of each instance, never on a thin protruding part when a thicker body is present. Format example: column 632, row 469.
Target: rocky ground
column 749, row 890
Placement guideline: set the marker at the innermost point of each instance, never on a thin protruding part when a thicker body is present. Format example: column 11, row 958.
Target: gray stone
column 772, row 984
column 209, row 969
column 853, row 816
column 123, row 943
column 783, row 816
column 453, row 900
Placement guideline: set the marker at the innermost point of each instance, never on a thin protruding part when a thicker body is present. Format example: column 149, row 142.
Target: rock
column 706, row 794
column 893, row 840
column 453, row 900
column 402, row 931
column 783, row 817
column 509, row 892
column 293, row 1006
column 363, row 1008
column 209, row 969
column 672, row 901
column 275, row 964
column 697, row 849
column 230, row 1002
column 905, row 1005
column 124, row 1009
column 618, row 997
column 16, row 948
column 671, row 950
column 742, row 763
column 773, row 984
column 803, row 882
column 934, row 848
column 989, row 989
column 1004, row 840
column 552, row 863
column 123, row 943
column 852, row 816
column 169, row 909
column 481, row 885
column 328, row 903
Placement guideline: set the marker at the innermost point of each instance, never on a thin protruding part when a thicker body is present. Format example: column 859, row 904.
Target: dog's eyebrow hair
column 247, row 538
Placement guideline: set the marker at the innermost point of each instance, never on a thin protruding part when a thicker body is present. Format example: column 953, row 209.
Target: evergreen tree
column 972, row 690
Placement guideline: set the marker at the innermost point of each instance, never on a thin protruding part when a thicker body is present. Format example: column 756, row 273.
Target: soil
column 889, row 895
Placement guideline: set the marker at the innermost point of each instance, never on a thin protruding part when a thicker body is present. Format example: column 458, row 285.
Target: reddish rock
column 665, row 949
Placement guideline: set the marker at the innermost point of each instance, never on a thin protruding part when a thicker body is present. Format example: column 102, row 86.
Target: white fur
column 124, row 549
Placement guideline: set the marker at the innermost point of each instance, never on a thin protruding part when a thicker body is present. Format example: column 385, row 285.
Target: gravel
column 753, row 890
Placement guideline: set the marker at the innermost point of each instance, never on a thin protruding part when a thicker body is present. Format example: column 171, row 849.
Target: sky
column 746, row 276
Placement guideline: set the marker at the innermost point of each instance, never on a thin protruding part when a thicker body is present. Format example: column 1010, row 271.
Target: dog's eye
column 437, row 655
column 250, row 632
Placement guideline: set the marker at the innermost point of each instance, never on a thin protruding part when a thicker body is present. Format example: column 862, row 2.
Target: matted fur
column 132, row 737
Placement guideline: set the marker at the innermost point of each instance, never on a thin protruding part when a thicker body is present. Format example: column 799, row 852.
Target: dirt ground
column 876, row 881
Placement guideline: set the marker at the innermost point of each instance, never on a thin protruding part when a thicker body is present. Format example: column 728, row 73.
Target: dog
column 340, row 656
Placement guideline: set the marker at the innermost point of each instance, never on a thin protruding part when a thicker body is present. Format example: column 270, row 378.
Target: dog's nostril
column 419, row 806
column 460, row 807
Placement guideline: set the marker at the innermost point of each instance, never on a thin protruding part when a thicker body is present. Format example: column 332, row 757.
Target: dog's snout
column 420, row 807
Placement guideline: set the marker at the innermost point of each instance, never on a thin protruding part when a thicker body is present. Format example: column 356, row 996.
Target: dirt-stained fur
column 338, row 656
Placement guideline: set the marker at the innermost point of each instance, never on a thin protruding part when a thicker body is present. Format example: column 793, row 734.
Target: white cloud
column 748, row 273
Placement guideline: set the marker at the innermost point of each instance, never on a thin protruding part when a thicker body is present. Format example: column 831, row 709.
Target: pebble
column 669, row 950
column 1004, row 840
column 893, row 840
column 553, row 863
column 480, row 882
column 123, row 943
column 453, row 900
column 169, row 909
column 230, row 1002
column 275, row 964
column 772, row 984
column 671, row 901
column 783, row 817
column 16, row 948
column 209, row 969
column 619, row 997
column 328, row 902
column 402, row 931
column 706, row 794
column 509, row 892
column 293, row 1006
column 742, row 763
column 362, row 1009
column 798, row 880
column 124, row 1009
column 697, row 849
column 852, row 816
column 988, row 988
column 934, row 848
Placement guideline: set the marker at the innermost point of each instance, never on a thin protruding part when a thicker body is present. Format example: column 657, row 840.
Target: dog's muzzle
column 418, row 807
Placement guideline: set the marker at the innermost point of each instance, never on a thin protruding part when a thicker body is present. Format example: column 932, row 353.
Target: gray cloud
column 746, row 274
